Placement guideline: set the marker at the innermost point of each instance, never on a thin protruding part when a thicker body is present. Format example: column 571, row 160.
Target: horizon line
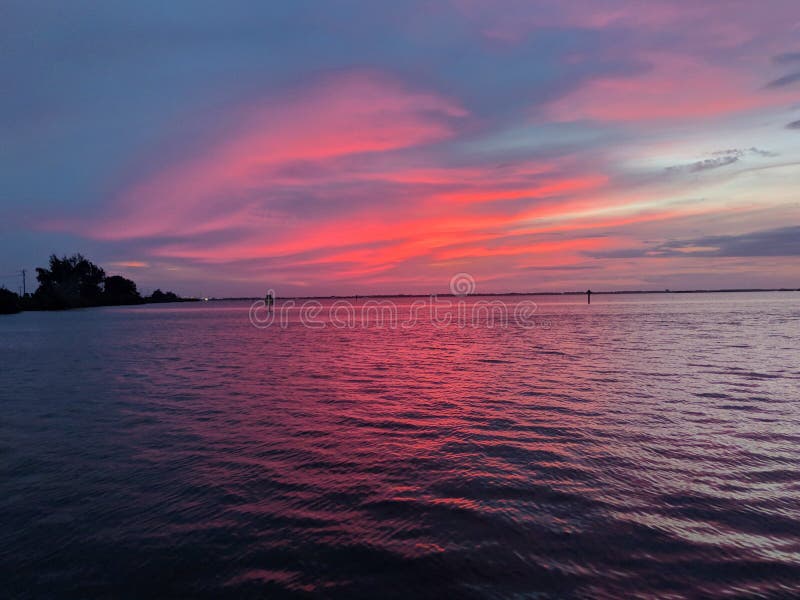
column 566, row 293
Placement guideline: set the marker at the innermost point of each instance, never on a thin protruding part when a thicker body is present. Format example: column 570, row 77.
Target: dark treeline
column 75, row 282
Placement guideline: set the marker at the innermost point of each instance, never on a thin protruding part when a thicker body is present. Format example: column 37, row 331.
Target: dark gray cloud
column 784, row 241
column 705, row 165
column 785, row 80
column 786, row 57
column 793, row 125
column 560, row 268
column 620, row 253
column 721, row 158
column 764, row 153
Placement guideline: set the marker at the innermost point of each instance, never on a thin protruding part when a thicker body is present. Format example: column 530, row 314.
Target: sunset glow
column 536, row 146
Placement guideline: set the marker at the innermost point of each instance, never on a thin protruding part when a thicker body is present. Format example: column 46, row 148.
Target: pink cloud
column 336, row 183
column 677, row 87
column 347, row 115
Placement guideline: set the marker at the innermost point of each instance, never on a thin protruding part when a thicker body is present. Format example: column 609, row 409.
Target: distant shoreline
column 491, row 294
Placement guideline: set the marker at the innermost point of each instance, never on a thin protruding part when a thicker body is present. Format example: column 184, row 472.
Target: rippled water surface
column 640, row 446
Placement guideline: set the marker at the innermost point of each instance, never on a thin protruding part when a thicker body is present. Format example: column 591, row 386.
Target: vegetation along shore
column 75, row 282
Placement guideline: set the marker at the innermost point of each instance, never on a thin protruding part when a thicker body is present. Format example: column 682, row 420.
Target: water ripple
column 637, row 448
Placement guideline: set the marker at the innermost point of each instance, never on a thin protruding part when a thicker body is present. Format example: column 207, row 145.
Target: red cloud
column 347, row 115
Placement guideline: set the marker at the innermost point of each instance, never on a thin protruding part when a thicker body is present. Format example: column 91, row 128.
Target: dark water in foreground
column 643, row 446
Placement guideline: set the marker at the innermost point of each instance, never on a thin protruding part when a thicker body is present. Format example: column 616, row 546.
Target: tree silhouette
column 75, row 282
column 70, row 282
column 119, row 290
column 159, row 296
column 9, row 302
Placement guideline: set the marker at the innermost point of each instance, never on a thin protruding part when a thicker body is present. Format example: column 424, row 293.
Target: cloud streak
column 787, row 57
column 780, row 242
column 789, row 79
column 721, row 158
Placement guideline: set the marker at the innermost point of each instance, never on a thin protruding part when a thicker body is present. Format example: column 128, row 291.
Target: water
column 643, row 446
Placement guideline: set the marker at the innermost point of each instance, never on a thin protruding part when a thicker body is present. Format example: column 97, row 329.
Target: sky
column 343, row 147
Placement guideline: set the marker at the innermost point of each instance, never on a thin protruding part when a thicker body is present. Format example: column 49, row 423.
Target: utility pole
column 24, row 289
